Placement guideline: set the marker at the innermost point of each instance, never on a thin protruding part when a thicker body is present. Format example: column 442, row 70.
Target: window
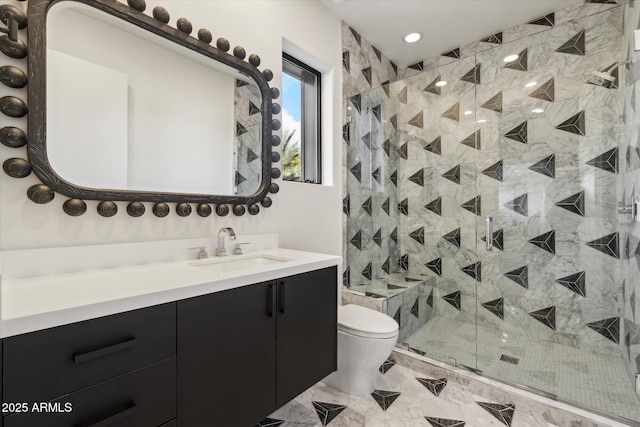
column 300, row 121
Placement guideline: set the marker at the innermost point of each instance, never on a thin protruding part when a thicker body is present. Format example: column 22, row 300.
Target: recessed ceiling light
column 468, row 113
column 511, row 58
column 537, row 110
column 481, row 121
column 531, row 84
column 412, row 37
column 441, row 83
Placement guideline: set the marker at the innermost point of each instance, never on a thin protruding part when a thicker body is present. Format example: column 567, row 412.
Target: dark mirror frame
column 158, row 24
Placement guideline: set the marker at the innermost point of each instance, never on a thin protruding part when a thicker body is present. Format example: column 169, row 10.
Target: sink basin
column 237, row 262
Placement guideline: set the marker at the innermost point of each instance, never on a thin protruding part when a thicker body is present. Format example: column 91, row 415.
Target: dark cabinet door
column 227, row 357
column 307, row 331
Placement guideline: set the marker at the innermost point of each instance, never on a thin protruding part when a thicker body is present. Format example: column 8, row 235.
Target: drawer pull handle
column 113, row 418
column 271, row 296
column 281, row 297
column 105, row 351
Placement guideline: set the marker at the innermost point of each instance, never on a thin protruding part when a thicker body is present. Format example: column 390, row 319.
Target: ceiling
column 445, row 24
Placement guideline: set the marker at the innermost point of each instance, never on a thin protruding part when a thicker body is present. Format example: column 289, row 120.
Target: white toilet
column 365, row 339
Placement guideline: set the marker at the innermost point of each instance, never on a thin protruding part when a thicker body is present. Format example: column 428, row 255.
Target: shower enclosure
column 506, row 181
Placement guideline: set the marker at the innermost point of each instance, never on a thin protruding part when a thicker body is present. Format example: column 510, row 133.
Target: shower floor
column 594, row 381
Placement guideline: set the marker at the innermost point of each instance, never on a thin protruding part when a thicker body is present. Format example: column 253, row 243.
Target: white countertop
column 30, row 304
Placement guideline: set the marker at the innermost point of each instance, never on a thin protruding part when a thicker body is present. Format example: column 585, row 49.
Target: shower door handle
column 489, row 232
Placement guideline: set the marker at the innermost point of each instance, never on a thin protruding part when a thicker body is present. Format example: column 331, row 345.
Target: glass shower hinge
column 630, row 209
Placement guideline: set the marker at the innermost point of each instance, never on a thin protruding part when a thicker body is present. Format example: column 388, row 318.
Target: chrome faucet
column 220, row 250
column 202, row 252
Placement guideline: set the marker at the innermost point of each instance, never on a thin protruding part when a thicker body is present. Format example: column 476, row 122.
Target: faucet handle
column 202, row 252
column 237, row 249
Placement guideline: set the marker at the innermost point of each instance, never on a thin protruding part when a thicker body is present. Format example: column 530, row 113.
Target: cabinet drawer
column 143, row 398
column 43, row 365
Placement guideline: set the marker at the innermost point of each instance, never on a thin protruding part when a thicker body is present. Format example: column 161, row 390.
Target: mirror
column 135, row 110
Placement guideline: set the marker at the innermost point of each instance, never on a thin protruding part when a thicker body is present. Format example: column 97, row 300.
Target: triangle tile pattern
column 403, row 95
column 239, row 178
column 386, row 365
column 495, row 103
column 520, row 204
column 444, row 422
column 253, row 109
column 574, row 282
column 367, row 271
column 377, row 112
column 453, row 299
column 251, row 155
column 473, row 140
column 546, row 316
column 520, row 276
column 394, row 235
column 519, row 64
column 403, row 151
column 386, row 265
column 417, row 120
column 346, row 277
column 546, row 91
column 403, row 207
column 518, row 133
column 453, row 112
column 494, row 171
column 432, row 88
column 546, row 241
column 453, row 237
column 607, row 244
column 574, row 124
column 346, row 133
column 386, row 204
column 504, row 413
column 367, row 206
column 453, row 174
column 435, row 146
column 346, row 205
column 356, row 240
column 434, row 386
column 391, row 286
column 377, row 52
column 366, row 140
column 385, row 87
column 415, row 309
column 494, row 39
column 547, row 20
column 474, row 270
column 473, row 205
column 608, row 328
column 240, row 83
column 404, row 264
column 377, row 175
column 574, row 46
column 394, row 178
column 496, row 307
column 418, row 235
column 546, row 166
column 606, row 161
column 346, row 61
column 356, row 36
column 435, row 266
column 430, row 299
column 240, row 130
column 356, row 101
column 497, row 239
column 435, row 206
column 473, row 75
column 418, row 178
column 386, row 146
column 573, row 203
column 394, row 121
column 377, row 237
column 269, row 422
column 327, row 411
column 395, row 67
column 455, row 53
column 396, row 316
column 385, row 398
column 417, row 66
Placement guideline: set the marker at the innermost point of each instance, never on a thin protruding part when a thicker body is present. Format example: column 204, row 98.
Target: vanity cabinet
column 244, row 352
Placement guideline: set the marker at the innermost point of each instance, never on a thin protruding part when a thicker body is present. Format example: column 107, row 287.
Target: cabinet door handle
column 270, row 302
column 281, row 296
column 105, row 351
column 110, row 419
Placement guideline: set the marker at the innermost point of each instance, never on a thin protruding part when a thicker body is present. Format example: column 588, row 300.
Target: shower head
column 599, row 78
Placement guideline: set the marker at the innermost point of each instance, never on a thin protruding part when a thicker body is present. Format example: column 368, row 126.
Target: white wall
column 307, row 217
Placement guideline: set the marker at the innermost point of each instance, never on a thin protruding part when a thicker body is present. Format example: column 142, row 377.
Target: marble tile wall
column 248, row 147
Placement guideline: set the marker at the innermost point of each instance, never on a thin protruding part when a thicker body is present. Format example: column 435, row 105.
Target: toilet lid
column 365, row 322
